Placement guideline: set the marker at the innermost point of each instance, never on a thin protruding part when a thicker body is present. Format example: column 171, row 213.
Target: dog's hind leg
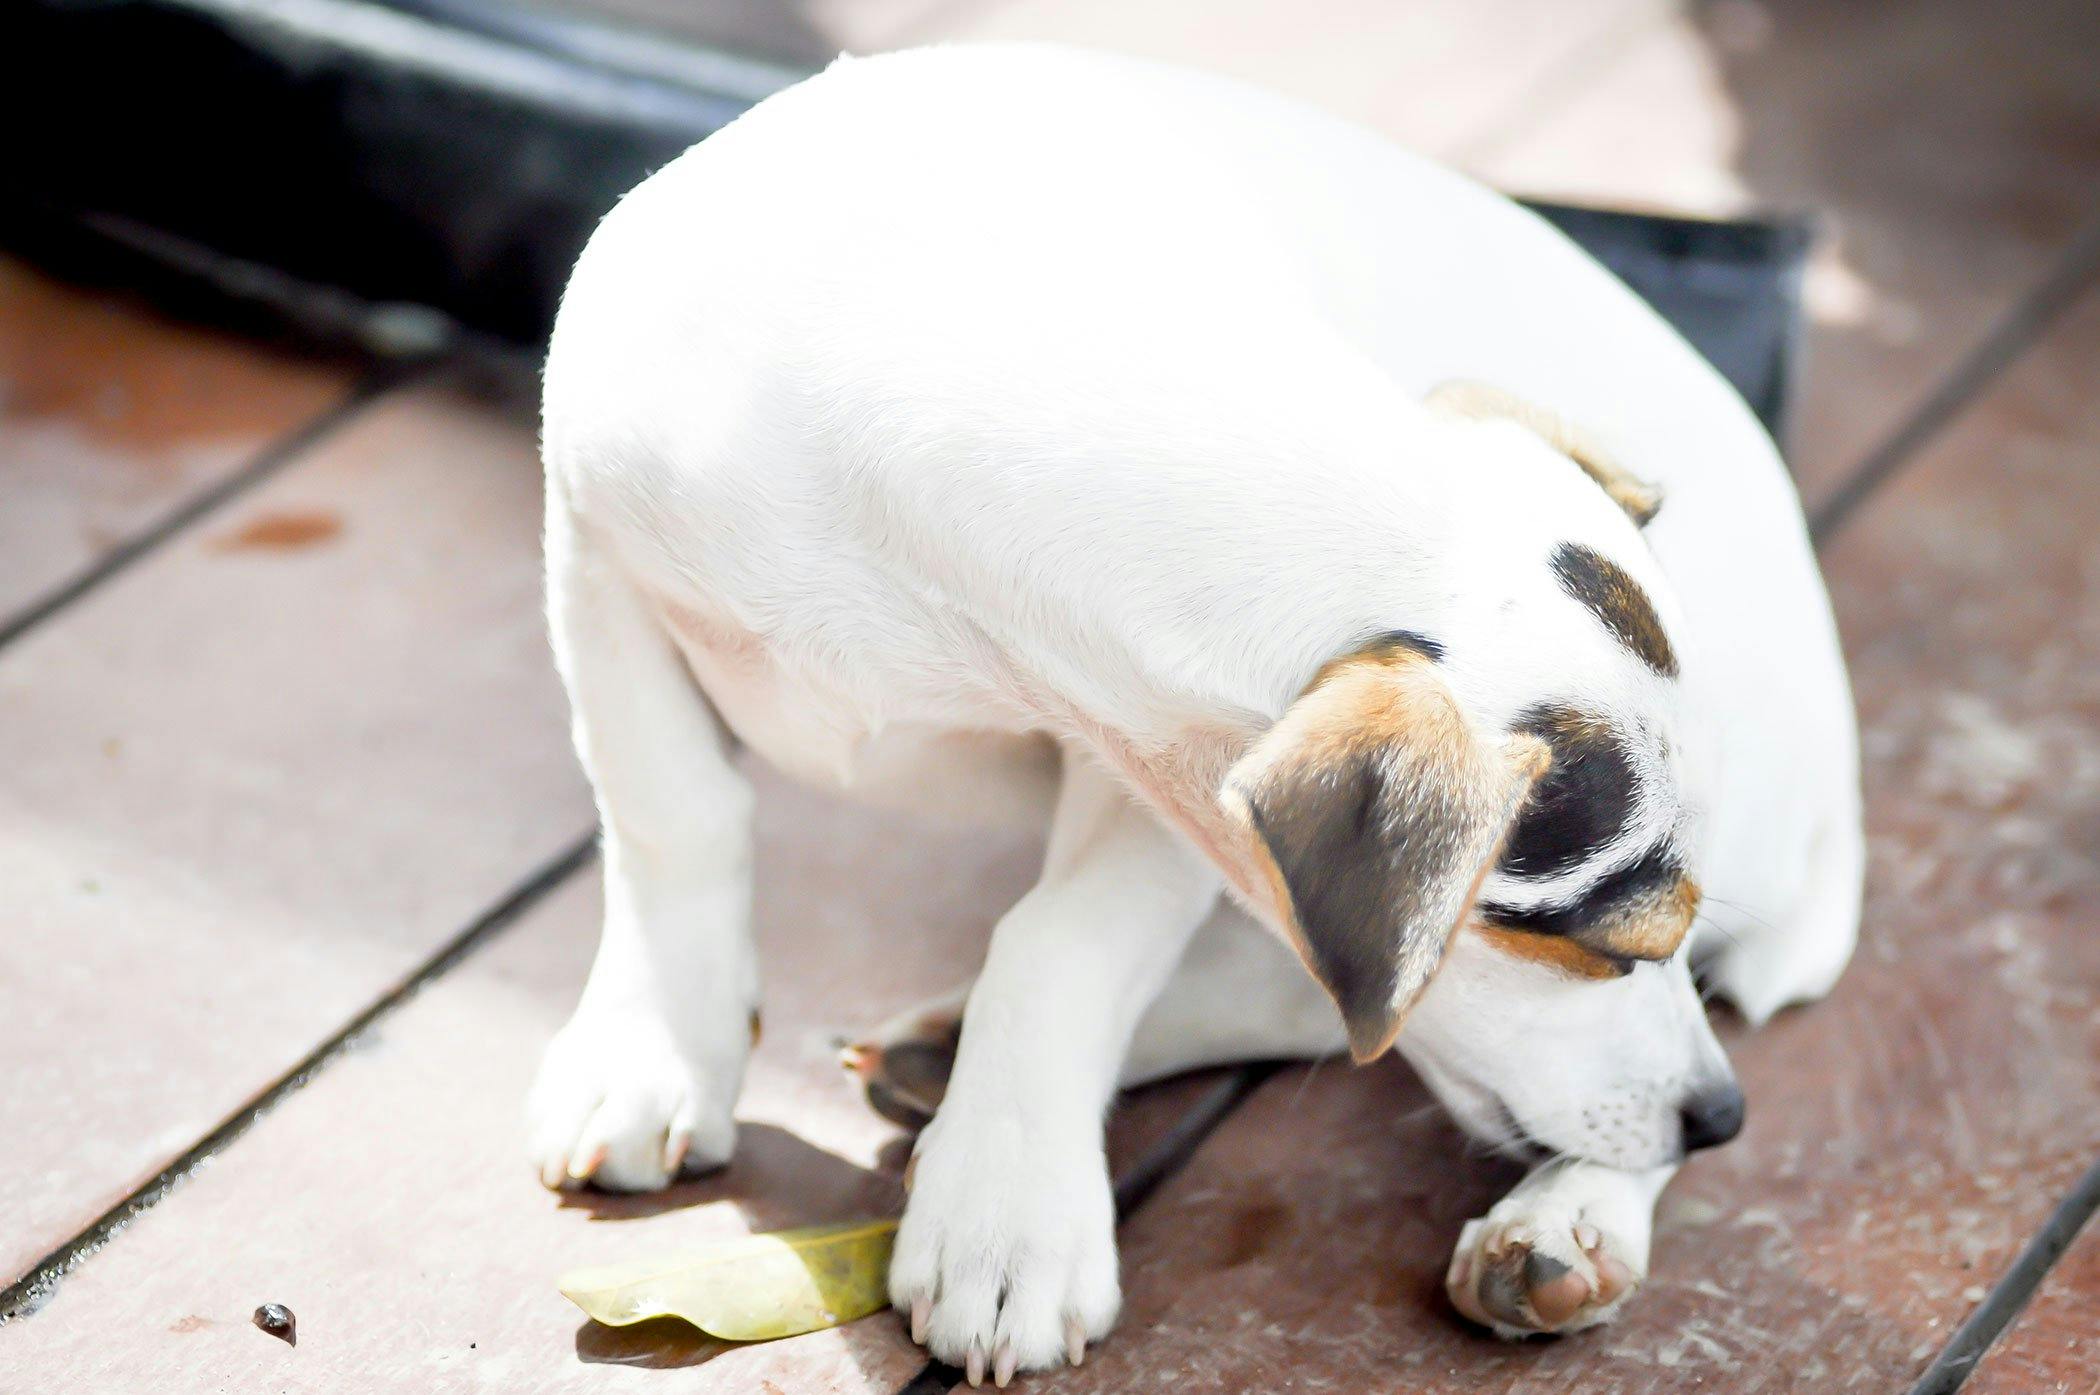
column 1563, row 1251
column 639, row 1085
column 1795, row 957
column 1238, row 994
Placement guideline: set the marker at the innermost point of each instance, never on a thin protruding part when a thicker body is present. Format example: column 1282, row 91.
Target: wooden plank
column 254, row 781
column 1437, row 76
column 389, row 1203
column 806, row 36
column 389, row 1206
column 2054, row 1347
column 111, row 417
column 1905, row 1137
column 1949, row 151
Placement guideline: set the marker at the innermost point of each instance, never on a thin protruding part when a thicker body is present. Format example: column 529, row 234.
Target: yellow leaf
column 753, row 1288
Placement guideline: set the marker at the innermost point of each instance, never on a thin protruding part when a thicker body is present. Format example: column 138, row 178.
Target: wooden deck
column 299, row 867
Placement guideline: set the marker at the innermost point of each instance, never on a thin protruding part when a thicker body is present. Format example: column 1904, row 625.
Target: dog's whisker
column 1416, row 1116
column 1703, row 919
column 1740, row 909
column 1304, row 1081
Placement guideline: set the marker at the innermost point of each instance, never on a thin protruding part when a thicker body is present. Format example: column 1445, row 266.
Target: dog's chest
column 835, row 726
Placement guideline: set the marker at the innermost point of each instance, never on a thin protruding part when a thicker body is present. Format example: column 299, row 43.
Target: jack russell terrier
column 1282, row 519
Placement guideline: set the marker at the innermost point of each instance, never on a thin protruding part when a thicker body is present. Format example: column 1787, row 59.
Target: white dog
column 988, row 425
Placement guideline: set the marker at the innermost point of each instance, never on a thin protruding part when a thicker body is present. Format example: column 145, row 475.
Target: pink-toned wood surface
column 1946, row 150
column 1441, row 76
column 388, row 1203
column 1905, row 1137
column 1444, row 75
column 253, row 782
column 111, row 417
column 2054, row 1346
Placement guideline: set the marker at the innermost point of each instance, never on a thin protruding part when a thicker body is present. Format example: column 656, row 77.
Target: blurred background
column 299, row 870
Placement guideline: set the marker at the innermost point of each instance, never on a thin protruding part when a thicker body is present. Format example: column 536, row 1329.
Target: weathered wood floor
column 283, row 757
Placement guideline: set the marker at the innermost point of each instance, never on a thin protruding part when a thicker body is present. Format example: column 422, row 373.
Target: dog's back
column 990, row 251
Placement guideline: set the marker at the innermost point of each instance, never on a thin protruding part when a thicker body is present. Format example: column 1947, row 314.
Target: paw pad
column 1522, row 1280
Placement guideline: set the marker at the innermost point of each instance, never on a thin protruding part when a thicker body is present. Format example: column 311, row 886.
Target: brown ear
column 1640, row 499
column 1379, row 811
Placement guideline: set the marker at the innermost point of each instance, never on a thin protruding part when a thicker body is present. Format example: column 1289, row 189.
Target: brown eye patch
column 1570, row 957
column 1641, row 911
column 1650, row 878
column 1582, row 802
column 1653, row 929
column 1603, row 588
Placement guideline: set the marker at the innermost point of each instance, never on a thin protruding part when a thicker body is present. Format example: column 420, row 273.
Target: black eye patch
column 1581, row 804
column 1604, row 589
column 1649, row 877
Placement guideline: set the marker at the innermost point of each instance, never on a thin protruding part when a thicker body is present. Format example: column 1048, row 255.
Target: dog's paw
column 620, row 1103
column 904, row 1064
column 1006, row 1260
column 1535, row 1265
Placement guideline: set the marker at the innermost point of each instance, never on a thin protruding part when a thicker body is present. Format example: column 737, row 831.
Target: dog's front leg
column 1563, row 1251
column 1007, row 1260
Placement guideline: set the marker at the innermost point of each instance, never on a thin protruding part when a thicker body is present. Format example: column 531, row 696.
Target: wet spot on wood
column 283, row 531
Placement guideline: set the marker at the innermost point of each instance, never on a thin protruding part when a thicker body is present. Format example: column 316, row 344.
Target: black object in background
column 417, row 173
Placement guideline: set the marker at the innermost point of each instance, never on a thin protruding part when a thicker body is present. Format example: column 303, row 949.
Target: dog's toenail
column 974, row 1368
column 1461, row 1270
column 1003, row 1363
column 921, row 1314
column 1075, row 1342
column 1587, row 1237
column 1613, row 1278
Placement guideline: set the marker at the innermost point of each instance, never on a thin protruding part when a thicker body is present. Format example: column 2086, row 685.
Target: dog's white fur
column 961, row 399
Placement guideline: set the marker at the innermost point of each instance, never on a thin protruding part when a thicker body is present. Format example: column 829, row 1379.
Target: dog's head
column 1528, row 847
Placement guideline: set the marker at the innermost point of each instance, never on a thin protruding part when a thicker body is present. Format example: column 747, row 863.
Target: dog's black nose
column 1712, row 1117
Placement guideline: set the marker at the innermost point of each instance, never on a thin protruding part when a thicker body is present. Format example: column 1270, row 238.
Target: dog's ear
column 1640, row 499
column 1377, row 811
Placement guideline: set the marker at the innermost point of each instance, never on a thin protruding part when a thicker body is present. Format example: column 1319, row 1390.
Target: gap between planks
column 2014, row 332
column 2072, row 276
column 2009, row 1296
column 35, row 1288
